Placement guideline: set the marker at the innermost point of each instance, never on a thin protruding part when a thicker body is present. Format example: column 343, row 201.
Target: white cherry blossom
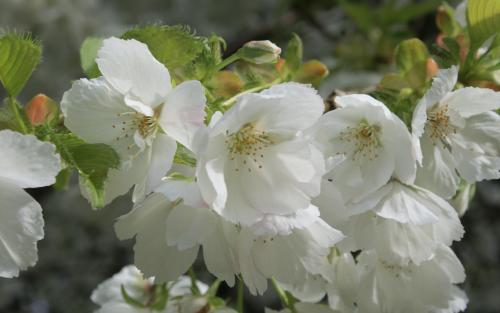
column 403, row 223
column 135, row 109
column 374, row 141
column 25, row 162
column 256, row 164
column 172, row 224
column 428, row 287
column 458, row 134
column 288, row 258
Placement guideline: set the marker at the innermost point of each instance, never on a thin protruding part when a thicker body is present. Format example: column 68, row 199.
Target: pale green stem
column 20, row 121
column 240, row 296
column 230, row 59
column 285, row 300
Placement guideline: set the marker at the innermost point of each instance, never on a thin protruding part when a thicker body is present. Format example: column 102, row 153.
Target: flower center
column 146, row 126
column 134, row 121
column 440, row 126
column 365, row 138
column 247, row 144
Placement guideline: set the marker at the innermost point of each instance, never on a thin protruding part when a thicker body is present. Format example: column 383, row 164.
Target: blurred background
column 355, row 39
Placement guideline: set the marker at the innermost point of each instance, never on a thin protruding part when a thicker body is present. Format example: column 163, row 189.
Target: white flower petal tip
column 26, row 161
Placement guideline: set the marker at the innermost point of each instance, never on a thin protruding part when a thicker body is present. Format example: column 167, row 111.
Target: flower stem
column 240, row 296
column 194, row 286
column 230, row 59
column 286, row 300
column 14, row 107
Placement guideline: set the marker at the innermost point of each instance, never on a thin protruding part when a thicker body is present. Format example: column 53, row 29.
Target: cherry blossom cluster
column 351, row 203
column 348, row 202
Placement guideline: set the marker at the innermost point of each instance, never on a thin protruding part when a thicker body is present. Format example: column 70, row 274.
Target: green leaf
column 411, row 59
column 483, row 17
column 88, row 54
column 174, row 46
column 92, row 161
column 62, row 179
column 446, row 21
column 294, row 53
column 19, row 56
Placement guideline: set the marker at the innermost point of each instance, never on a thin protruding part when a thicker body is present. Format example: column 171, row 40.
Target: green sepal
column 92, row 161
column 411, row 59
column 88, row 54
column 294, row 53
column 173, row 46
column 19, row 56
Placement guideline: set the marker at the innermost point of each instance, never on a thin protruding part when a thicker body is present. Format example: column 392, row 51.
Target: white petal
column 119, row 181
column 130, row 278
column 219, row 252
column 147, row 222
column 397, row 139
column 457, row 303
column 470, row 101
column 311, row 290
column 404, row 204
column 477, row 147
column 161, row 158
column 183, row 112
column 95, row 112
column 26, row 161
column 130, row 68
column 438, row 170
column 121, row 308
column 21, row 226
column 303, row 307
column 253, row 278
column 331, row 205
column 189, row 192
column 398, row 243
column 272, row 224
column 442, row 84
column 299, row 107
column 188, row 227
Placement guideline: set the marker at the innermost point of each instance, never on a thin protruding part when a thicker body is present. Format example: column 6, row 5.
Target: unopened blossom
column 25, row 162
column 375, row 144
column 135, row 109
column 386, row 287
column 257, row 164
column 260, row 52
column 458, row 134
column 403, row 223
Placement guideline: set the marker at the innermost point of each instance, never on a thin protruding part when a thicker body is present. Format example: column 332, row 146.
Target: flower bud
column 260, row 52
column 432, row 68
column 41, row 109
column 311, row 72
